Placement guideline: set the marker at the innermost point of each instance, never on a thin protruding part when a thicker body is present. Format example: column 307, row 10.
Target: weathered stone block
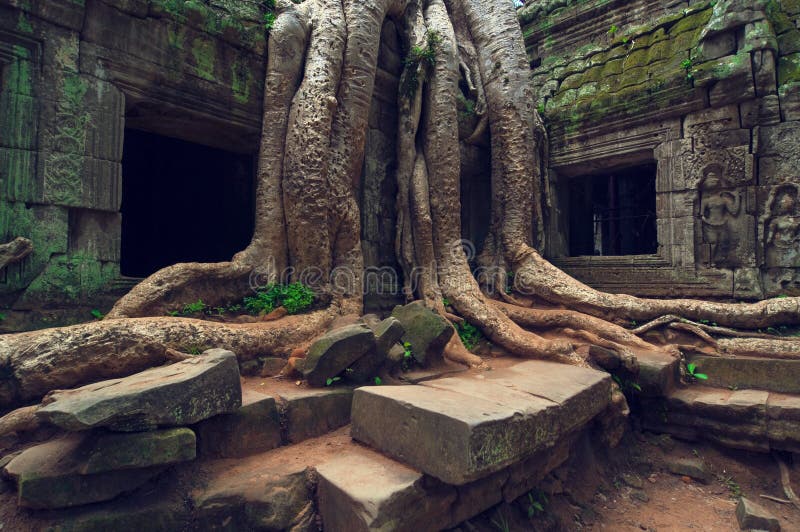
column 311, row 413
column 253, row 428
column 743, row 372
column 426, row 331
column 362, row 491
column 463, row 428
column 95, row 234
column 181, row 394
column 335, row 351
column 49, row 476
column 690, row 467
column 112, row 452
column 752, row 516
column 783, row 422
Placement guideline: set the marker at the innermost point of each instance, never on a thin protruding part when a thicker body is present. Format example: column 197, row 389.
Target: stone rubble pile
column 358, row 353
column 121, row 433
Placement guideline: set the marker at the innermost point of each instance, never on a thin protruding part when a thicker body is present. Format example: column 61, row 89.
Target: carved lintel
column 15, row 251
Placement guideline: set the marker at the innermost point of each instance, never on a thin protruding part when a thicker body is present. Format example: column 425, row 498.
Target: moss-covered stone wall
column 697, row 87
column 73, row 75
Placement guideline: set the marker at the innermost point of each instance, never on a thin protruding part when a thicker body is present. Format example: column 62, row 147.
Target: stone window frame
column 674, row 263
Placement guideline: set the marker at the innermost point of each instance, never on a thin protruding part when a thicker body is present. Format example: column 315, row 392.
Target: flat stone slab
column 51, row 475
column 464, row 428
column 180, row 394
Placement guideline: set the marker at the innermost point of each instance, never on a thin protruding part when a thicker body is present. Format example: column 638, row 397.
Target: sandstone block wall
column 707, row 90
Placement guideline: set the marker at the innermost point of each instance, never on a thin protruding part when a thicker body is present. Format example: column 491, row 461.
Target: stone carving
column 782, row 228
column 720, row 207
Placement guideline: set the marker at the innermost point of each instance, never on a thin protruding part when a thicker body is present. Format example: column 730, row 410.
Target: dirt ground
column 630, row 489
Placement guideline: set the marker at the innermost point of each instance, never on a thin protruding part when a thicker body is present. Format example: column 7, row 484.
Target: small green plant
column 509, row 282
column 540, row 108
column 294, row 297
column 96, row 314
column 466, row 106
column 417, row 56
column 691, row 369
column 378, row 381
column 626, row 385
column 613, row 30
column 408, row 356
column 686, row 64
column 330, row 380
column 445, row 302
column 269, row 20
column 220, row 311
column 733, row 487
column 537, row 500
column 193, row 349
column 501, row 523
column 469, row 334
column 194, row 308
column 174, row 313
column 2, row 317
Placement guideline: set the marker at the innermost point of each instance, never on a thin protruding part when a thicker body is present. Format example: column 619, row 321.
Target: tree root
column 786, row 481
column 15, row 251
column 20, row 420
column 36, row 362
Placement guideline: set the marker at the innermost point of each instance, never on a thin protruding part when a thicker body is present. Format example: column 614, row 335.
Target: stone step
column 658, row 373
column 83, row 468
column 769, row 374
column 464, row 428
column 360, row 490
column 754, row 420
column 274, row 413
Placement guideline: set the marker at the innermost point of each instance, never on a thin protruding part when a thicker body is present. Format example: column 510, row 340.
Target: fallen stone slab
column 253, row 428
column 752, row 516
column 180, row 394
column 425, row 330
column 50, row 476
column 335, row 351
column 461, row 429
column 387, row 333
column 361, row 491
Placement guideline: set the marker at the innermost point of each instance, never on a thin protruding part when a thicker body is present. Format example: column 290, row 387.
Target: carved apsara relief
column 782, row 228
column 725, row 229
column 720, row 208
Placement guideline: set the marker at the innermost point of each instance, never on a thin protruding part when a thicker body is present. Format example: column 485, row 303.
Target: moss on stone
column 71, row 278
column 789, row 69
column 241, row 80
column 203, row 52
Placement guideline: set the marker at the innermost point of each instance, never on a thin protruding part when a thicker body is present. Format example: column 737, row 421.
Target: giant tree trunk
column 320, row 78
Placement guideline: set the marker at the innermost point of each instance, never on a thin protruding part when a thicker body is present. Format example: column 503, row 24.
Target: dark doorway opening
column 182, row 202
column 613, row 213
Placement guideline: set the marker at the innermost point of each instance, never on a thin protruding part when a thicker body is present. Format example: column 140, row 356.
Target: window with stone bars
column 613, row 212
